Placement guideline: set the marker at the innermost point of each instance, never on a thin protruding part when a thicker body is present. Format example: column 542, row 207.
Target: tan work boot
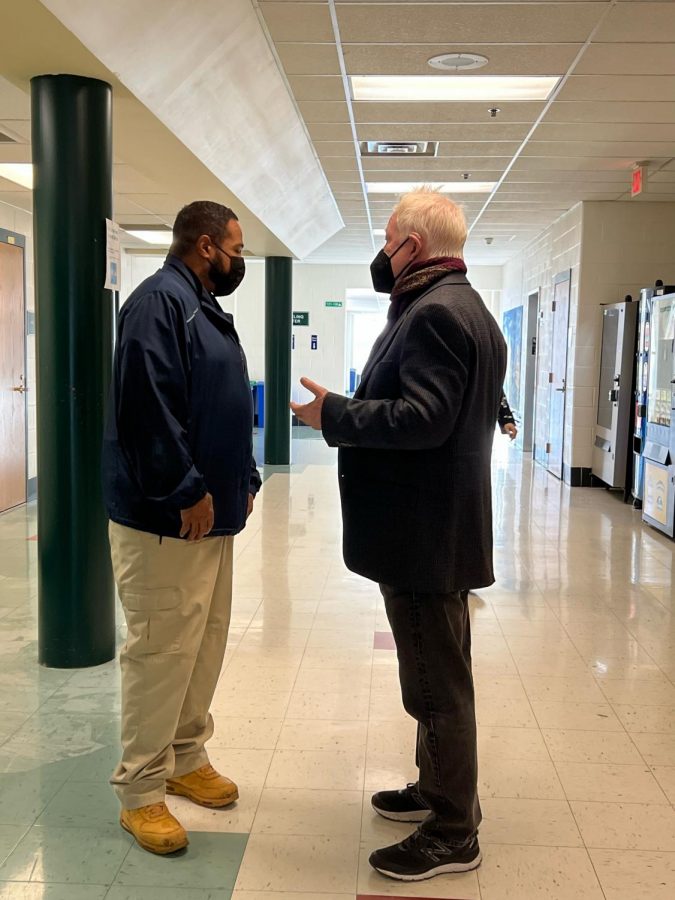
column 155, row 829
column 205, row 787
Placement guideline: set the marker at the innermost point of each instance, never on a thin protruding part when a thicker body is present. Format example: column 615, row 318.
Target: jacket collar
column 207, row 301
column 395, row 327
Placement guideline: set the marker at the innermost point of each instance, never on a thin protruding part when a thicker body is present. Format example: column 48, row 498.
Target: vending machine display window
column 661, row 364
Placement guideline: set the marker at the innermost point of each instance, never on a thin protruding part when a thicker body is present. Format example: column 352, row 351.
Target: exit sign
column 301, row 318
column 334, row 304
column 639, row 182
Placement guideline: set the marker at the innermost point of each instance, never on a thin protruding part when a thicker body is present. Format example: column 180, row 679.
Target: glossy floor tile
column 574, row 656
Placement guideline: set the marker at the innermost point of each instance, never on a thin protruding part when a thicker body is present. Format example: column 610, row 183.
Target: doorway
column 527, row 428
column 365, row 321
column 558, row 377
column 12, row 372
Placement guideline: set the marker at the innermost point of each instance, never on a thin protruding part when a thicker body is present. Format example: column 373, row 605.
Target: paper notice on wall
column 113, row 256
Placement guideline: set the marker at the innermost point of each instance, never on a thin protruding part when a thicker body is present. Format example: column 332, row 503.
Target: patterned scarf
column 419, row 278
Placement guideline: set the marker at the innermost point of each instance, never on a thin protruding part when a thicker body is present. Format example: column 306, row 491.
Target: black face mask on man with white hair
column 382, row 273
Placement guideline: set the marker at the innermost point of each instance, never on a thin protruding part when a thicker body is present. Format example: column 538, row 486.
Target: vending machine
column 658, row 503
column 642, row 384
column 615, row 393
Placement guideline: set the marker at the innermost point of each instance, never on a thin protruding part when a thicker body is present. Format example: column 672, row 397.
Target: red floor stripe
column 384, row 640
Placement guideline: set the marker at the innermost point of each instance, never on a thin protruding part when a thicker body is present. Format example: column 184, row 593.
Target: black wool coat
column 416, row 443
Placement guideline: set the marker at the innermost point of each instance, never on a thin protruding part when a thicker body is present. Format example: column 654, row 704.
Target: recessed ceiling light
column 457, row 88
column 455, row 62
column 447, row 187
column 379, row 232
column 161, row 238
column 19, row 173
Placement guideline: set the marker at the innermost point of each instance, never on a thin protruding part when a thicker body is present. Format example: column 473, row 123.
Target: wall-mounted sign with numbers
column 334, row 304
column 301, row 318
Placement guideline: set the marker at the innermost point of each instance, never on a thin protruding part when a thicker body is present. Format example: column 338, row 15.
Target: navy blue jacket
column 180, row 419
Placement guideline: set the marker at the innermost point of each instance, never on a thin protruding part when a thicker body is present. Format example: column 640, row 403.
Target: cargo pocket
column 154, row 621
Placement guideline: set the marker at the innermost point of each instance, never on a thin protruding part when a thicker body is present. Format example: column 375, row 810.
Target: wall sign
column 301, row 318
column 113, row 256
column 315, row 342
column 334, row 304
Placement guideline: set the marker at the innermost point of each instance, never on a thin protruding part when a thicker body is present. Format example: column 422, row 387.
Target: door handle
column 561, row 390
column 20, row 389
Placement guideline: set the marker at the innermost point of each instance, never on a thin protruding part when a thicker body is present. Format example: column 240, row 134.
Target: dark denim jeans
column 433, row 642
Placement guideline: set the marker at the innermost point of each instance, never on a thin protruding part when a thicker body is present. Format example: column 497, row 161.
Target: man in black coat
column 414, row 466
column 179, row 481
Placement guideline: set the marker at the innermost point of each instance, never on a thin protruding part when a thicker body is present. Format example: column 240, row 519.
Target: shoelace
column 156, row 810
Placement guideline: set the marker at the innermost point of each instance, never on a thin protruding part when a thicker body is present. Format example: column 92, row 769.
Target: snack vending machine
column 642, row 385
column 658, row 504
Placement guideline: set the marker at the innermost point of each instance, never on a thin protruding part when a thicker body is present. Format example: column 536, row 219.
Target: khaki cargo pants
column 177, row 599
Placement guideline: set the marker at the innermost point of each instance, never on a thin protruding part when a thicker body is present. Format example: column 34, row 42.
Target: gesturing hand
column 198, row 519
column 310, row 413
column 511, row 430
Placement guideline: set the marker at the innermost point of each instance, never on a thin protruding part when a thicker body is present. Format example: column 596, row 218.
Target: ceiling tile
column 619, row 88
column 412, row 59
column 317, row 87
column 330, row 131
column 467, row 23
column 628, row 59
column 443, row 113
column 314, row 111
column 289, row 21
column 492, row 130
column 334, row 148
column 609, row 150
column 643, row 22
column 619, row 112
column 309, row 59
column 548, row 131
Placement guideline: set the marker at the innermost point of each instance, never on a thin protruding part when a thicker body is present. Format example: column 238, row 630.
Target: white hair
column 436, row 219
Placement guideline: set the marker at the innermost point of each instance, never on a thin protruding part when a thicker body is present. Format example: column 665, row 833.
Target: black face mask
column 226, row 283
column 381, row 272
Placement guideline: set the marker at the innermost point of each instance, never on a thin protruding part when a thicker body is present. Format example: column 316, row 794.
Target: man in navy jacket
column 179, row 482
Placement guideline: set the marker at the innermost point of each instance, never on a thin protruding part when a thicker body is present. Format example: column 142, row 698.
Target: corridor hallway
column 574, row 656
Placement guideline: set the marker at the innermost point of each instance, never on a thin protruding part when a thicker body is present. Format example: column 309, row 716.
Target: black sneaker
column 419, row 857
column 405, row 805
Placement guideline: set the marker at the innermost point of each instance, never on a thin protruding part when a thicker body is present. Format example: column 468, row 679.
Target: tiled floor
column 574, row 662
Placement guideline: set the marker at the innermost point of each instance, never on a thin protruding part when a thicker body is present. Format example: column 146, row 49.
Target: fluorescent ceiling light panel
column 160, row 238
column 447, row 187
column 19, row 173
column 456, row 88
column 379, row 232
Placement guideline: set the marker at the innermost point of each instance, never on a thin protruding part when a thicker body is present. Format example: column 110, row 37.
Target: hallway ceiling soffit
column 207, row 72
column 154, row 173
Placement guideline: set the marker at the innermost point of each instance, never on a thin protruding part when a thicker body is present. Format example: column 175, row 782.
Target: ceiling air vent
column 399, row 148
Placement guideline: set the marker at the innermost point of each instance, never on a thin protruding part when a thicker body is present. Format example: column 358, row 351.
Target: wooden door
column 12, row 378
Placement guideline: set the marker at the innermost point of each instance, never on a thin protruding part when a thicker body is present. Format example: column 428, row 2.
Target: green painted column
column 72, row 197
column 278, row 331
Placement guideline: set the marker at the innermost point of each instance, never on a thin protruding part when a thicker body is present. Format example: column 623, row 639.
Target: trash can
column 260, row 403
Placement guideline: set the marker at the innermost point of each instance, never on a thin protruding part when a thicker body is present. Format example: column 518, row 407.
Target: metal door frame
column 564, row 277
column 529, row 411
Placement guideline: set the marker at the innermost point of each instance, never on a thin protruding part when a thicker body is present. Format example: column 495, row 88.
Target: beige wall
column 613, row 249
column 554, row 251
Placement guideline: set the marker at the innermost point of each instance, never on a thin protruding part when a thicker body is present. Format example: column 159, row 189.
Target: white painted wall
column 313, row 285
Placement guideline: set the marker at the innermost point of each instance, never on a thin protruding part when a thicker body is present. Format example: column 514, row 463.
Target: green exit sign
column 301, row 318
column 335, row 304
